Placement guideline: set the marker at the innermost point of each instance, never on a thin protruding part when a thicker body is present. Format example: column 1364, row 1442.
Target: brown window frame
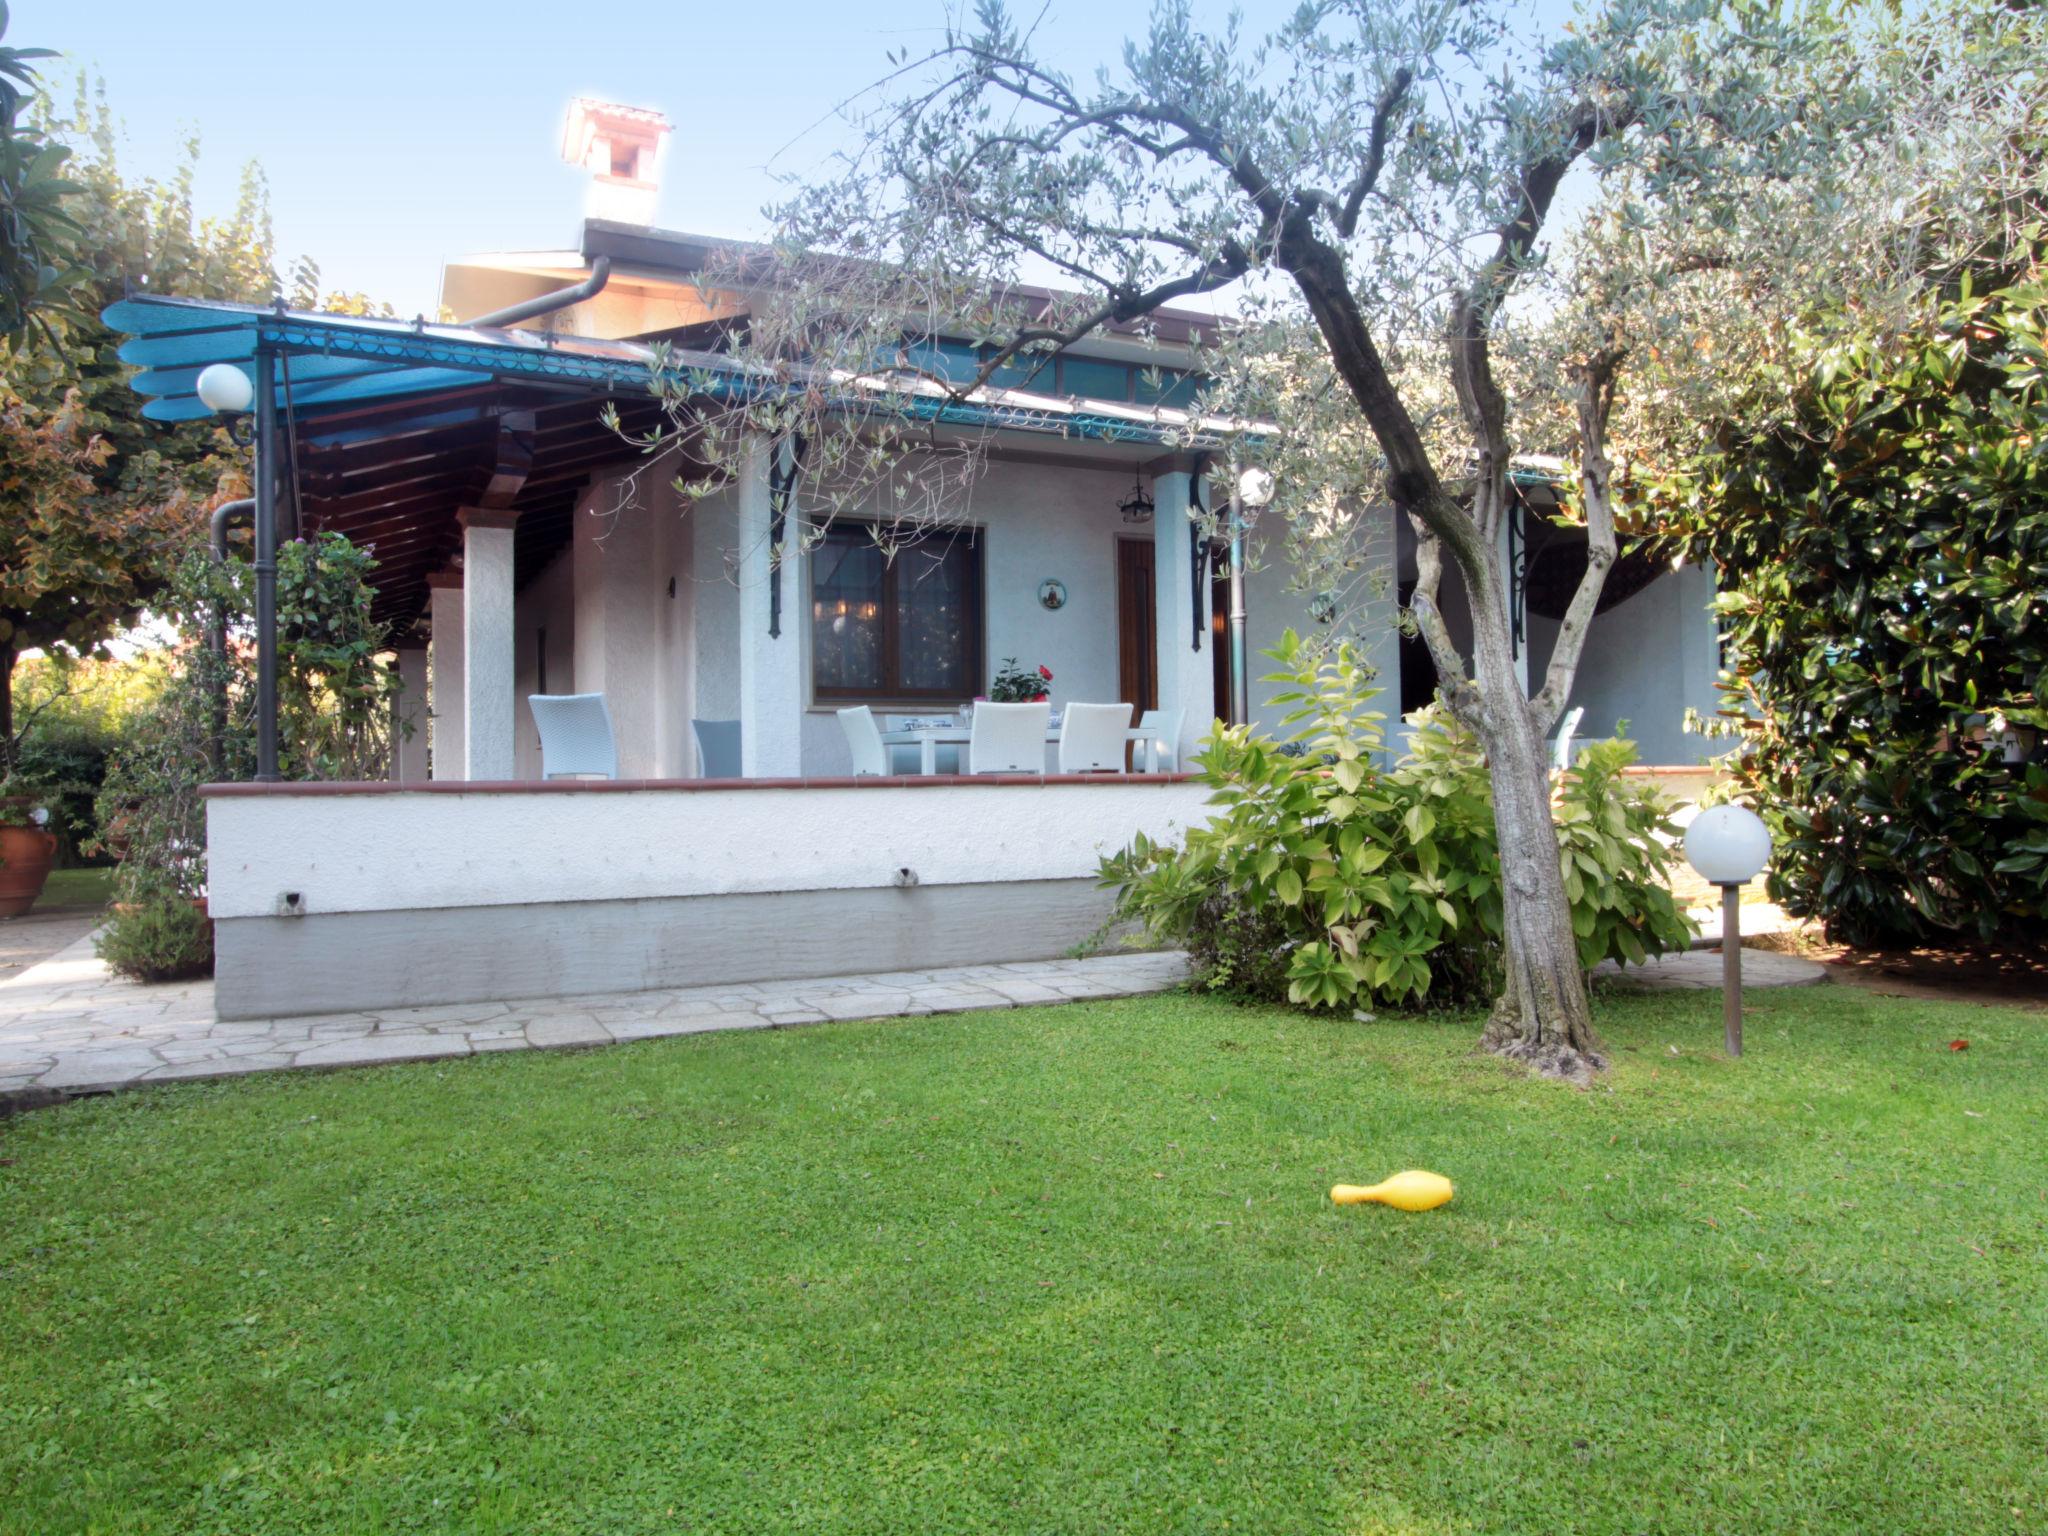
column 847, row 531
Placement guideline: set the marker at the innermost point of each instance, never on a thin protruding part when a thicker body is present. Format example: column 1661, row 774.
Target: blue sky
column 400, row 133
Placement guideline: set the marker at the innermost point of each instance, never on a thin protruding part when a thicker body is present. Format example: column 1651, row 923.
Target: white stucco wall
column 1365, row 616
column 547, row 603
column 1646, row 661
column 1036, row 522
column 402, row 851
column 663, row 660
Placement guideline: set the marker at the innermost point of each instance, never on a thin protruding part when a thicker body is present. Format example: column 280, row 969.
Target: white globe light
column 1255, row 486
column 225, row 388
column 1728, row 844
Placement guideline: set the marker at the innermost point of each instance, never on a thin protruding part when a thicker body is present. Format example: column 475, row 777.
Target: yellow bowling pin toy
column 1413, row 1190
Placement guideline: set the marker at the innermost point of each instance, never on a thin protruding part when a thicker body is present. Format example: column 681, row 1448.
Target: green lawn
column 77, row 887
column 1051, row 1271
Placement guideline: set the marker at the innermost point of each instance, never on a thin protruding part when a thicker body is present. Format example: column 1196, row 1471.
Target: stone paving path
column 1699, row 970
column 47, row 931
column 67, row 1026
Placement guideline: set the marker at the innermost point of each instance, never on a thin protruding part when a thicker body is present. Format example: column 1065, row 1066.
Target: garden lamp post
column 1729, row 845
column 226, row 389
column 1250, row 490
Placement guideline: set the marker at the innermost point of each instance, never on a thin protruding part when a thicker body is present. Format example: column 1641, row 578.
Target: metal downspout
column 266, row 568
column 548, row 303
column 227, row 512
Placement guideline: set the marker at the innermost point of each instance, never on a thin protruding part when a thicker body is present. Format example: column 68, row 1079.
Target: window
column 904, row 628
column 1093, row 380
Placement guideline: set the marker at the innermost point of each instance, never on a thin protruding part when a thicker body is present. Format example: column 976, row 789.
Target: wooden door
column 1137, row 627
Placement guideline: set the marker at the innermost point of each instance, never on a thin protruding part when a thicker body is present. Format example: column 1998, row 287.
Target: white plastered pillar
column 1187, row 675
column 771, row 666
column 446, row 733
column 489, row 680
column 409, row 739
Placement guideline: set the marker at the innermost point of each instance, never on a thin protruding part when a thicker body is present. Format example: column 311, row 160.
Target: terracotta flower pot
column 26, row 854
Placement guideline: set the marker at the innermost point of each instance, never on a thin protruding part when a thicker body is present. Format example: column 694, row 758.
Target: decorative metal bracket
column 782, row 475
column 1198, row 555
column 1518, row 577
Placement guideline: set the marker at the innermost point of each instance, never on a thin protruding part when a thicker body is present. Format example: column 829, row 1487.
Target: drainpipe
column 227, row 512
column 266, row 568
column 548, row 303
column 1240, row 669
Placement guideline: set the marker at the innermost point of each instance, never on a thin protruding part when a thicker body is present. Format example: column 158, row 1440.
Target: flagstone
column 75, row 1027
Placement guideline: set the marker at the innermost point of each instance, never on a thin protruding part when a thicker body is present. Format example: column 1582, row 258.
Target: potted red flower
column 1020, row 685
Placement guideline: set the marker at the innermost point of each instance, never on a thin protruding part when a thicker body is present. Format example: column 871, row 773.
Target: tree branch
column 1375, row 151
column 1461, row 695
column 1596, row 379
column 1474, row 309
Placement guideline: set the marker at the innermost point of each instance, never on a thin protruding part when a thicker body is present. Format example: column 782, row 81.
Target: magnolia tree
column 1444, row 245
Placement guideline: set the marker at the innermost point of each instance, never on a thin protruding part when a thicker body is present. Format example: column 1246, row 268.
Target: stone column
column 1187, row 677
column 409, row 746
column 771, row 667
column 445, row 658
column 489, row 680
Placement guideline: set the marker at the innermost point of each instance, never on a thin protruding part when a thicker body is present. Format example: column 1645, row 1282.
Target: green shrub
column 163, row 937
column 1328, row 881
column 1879, row 517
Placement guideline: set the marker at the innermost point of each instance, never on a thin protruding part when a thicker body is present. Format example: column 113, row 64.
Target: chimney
column 621, row 147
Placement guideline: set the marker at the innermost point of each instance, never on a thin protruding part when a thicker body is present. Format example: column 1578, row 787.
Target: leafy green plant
column 1330, row 881
column 334, row 710
column 1880, row 521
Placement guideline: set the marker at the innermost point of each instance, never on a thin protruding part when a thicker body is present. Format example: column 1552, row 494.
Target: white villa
column 524, row 550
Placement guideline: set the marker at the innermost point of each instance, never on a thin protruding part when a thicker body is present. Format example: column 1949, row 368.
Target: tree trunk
column 1543, row 1018
column 7, row 655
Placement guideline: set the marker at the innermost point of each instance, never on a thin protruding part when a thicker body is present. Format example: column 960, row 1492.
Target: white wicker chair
column 1008, row 738
column 718, row 748
column 575, row 736
column 1568, row 727
column 864, row 739
column 1162, row 726
column 1092, row 738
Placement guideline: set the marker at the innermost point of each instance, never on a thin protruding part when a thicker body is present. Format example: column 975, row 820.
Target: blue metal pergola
column 342, row 359
column 330, row 389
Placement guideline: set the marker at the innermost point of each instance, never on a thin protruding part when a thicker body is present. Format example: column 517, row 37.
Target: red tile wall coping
column 628, row 786
column 868, row 781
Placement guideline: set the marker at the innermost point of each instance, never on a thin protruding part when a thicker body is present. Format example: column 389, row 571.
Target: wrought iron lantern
column 1137, row 507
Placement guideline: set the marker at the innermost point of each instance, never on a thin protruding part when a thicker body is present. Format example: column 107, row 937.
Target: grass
column 1061, row 1270
column 77, row 888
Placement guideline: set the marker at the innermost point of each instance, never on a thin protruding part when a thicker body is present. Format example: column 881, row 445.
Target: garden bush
column 334, row 722
column 164, row 936
column 1879, row 517
column 1326, row 880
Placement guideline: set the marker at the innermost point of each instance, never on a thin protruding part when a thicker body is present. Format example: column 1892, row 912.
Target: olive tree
column 1376, row 187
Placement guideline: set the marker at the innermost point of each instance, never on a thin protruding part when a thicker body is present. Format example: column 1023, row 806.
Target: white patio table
column 929, row 738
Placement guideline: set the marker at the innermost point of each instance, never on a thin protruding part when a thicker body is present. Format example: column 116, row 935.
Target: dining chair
column 718, row 748
column 1561, row 753
column 575, row 735
column 864, row 739
column 1162, row 726
column 1092, row 738
column 1008, row 738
